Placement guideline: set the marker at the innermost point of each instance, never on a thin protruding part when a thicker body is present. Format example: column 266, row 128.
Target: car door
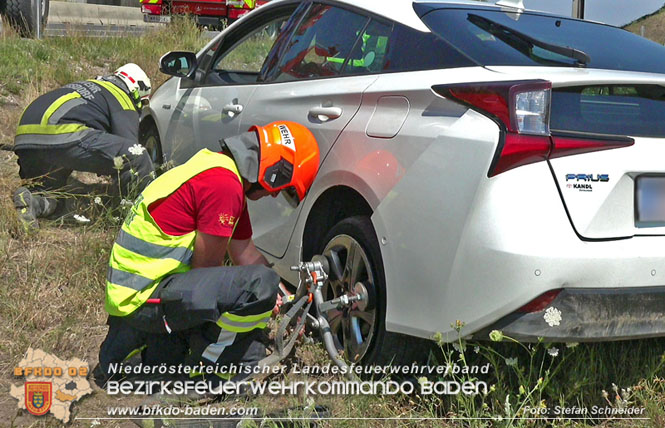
column 318, row 82
column 231, row 77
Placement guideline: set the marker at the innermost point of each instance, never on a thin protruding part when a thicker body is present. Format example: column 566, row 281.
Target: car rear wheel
column 356, row 268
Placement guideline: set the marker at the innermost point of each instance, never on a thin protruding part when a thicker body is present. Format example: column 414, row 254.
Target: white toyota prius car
column 482, row 163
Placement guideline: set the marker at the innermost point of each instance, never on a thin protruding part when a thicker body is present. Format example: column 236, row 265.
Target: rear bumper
column 208, row 20
column 588, row 315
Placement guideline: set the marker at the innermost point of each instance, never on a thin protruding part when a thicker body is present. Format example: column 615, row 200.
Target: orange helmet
column 289, row 157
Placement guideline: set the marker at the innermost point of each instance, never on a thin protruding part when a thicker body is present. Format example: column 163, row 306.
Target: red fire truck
column 210, row 13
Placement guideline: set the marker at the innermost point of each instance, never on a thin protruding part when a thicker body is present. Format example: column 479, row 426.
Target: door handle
column 325, row 114
column 232, row 109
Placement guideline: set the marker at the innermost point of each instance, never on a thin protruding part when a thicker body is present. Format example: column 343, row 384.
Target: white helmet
column 136, row 80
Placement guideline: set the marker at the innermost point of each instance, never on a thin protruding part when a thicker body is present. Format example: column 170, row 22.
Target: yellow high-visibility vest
column 143, row 254
column 240, row 4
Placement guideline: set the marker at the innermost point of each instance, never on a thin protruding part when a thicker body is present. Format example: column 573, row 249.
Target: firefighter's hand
column 278, row 305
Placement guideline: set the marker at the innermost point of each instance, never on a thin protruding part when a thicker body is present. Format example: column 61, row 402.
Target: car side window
column 385, row 48
column 241, row 63
column 412, row 50
column 370, row 53
column 320, row 44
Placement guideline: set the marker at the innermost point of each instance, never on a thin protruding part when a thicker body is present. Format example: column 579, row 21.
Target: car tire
column 356, row 236
column 153, row 145
column 22, row 15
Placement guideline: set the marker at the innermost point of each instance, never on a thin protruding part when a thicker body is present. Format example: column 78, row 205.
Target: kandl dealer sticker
column 584, row 182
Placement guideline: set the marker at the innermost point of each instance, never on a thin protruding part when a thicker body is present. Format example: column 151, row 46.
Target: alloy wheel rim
column 352, row 328
column 151, row 147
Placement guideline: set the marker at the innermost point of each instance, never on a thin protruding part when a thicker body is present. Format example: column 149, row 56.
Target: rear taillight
column 574, row 144
column 522, row 111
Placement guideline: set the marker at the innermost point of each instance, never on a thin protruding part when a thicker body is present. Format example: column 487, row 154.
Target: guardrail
column 95, row 14
column 99, row 20
column 94, row 20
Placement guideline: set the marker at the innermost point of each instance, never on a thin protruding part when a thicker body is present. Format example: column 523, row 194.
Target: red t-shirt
column 211, row 202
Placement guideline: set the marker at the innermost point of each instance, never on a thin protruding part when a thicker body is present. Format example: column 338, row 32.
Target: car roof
column 396, row 10
column 402, row 11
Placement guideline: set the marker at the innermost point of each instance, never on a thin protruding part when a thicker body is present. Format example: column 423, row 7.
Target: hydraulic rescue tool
column 313, row 276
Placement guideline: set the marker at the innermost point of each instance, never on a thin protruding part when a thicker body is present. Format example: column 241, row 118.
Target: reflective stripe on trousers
column 230, row 325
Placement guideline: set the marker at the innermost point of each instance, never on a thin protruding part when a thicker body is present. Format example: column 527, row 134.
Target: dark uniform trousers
column 182, row 329
column 50, row 166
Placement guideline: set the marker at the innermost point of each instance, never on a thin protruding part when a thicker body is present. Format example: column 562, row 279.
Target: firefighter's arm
column 243, row 252
column 209, row 250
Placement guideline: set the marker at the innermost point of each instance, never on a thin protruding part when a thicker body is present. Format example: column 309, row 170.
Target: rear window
column 625, row 110
column 497, row 38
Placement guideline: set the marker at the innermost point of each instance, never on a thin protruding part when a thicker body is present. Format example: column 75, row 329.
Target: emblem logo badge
column 38, row 397
column 227, row 220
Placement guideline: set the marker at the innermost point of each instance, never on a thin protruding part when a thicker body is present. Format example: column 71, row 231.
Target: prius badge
column 583, row 182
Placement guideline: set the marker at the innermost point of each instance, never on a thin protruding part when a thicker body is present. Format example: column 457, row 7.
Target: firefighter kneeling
column 167, row 293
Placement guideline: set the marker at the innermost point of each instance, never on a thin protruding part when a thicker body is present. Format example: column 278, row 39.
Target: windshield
column 498, row 38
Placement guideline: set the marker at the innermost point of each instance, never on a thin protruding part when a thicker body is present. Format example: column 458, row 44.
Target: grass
column 654, row 28
column 249, row 56
column 51, row 289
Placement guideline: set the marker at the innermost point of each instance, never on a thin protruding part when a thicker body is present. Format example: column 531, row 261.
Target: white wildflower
column 94, row 423
column 459, row 348
column 98, row 200
column 118, row 162
column 136, row 149
column 552, row 316
column 116, row 219
column 81, row 219
column 624, row 394
column 511, row 361
column 476, row 349
column 126, row 203
column 311, row 404
column 553, row 351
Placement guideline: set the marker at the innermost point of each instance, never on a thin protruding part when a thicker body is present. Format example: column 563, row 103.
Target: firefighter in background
column 241, row 7
column 84, row 126
column 167, row 291
column 241, row 4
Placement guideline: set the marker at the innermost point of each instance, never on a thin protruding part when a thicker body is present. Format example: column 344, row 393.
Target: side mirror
column 179, row 64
